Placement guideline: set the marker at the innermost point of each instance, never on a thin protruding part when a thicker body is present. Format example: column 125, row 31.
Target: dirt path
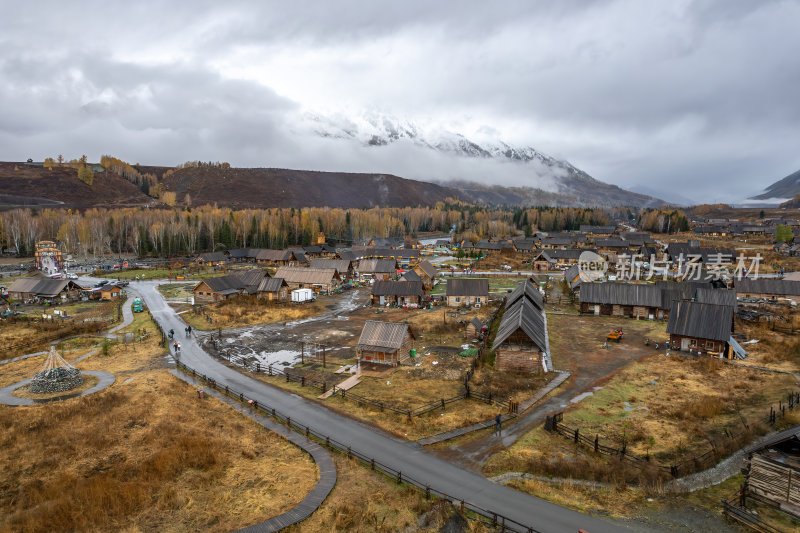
column 591, row 367
column 280, row 343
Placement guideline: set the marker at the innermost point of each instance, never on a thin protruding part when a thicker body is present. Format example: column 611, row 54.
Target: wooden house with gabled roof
column 382, row 269
column 274, row 289
column 701, row 328
column 385, row 343
column 467, row 291
column 427, row 273
column 521, row 342
column 399, row 293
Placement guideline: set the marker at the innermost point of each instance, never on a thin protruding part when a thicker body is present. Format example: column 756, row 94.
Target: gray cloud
column 698, row 97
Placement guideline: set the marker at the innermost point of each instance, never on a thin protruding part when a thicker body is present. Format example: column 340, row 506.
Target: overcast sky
column 692, row 99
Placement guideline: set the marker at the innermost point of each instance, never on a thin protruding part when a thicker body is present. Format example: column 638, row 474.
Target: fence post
column 349, row 453
column 576, row 435
column 289, row 422
column 302, row 381
column 258, row 367
column 399, row 477
column 270, row 370
column 442, row 404
column 427, row 493
column 372, row 464
column 596, row 443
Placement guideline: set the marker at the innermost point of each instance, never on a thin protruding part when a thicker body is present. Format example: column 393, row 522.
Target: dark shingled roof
column 347, row 255
column 611, row 243
column 428, row 268
column 585, row 228
column 397, row 288
column 620, row 294
column 379, row 266
column 528, row 290
column 777, row 287
column 468, row 287
column 522, row 315
column 716, row 296
column 271, row 285
column 383, row 336
column 342, row 266
column 274, row 255
column 213, row 257
column 702, row 321
column 410, row 275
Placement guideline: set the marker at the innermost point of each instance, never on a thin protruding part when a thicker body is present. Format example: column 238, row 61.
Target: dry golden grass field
column 250, row 311
column 365, row 502
column 143, row 455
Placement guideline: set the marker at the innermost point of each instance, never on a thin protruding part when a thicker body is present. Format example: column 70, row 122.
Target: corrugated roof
column 347, row 255
column 397, row 288
column 252, row 277
column 314, row 276
column 526, row 289
column 702, row 321
column 410, row 275
column 716, row 296
column 271, row 284
column 611, row 243
column 44, row 287
column 342, row 266
column 387, row 336
column 377, row 266
column 620, row 294
column 525, row 316
column 274, row 255
column 428, row 268
column 213, row 257
column 586, row 228
column 468, row 287
column 777, row 287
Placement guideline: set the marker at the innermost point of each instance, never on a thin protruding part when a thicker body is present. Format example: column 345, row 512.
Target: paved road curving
column 406, row 457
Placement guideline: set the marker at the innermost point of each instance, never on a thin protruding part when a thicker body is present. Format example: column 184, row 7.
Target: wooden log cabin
column 772, row 472
column 385, row 343
column 701, row 328
column 521, row 342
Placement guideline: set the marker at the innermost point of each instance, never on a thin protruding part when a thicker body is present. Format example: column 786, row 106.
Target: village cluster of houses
column 38, row 288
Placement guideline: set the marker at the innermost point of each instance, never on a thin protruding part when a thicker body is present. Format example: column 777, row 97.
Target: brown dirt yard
column 143, row 455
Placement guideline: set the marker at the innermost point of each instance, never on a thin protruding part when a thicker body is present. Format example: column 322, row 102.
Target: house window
column 693, row 343
column 458, row 299
column 709, row 345
column 477, row 300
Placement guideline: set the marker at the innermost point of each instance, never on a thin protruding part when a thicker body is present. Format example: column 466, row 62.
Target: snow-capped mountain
column 494, row 161
column 375, row 129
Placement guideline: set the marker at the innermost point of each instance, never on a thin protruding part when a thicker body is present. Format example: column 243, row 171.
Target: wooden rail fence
column 491, row 519
column 689, row 466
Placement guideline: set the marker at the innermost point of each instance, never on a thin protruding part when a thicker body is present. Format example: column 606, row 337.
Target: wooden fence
column 494, row 521
column 433, row 405
column 689, row 466
column 735, row 508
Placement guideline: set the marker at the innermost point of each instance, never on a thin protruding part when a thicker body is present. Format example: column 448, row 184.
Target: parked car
column 72, row 275
column 101, row 284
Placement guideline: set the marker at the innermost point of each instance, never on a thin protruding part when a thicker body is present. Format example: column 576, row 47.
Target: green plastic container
column 413, row 352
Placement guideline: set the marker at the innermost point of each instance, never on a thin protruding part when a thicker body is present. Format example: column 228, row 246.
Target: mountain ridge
column 787, row 187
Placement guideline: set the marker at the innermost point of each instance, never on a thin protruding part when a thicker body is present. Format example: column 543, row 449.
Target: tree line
column 173, row 231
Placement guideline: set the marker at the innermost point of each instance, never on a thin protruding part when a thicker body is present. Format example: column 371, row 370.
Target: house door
column 596, row 310
column 684, row 344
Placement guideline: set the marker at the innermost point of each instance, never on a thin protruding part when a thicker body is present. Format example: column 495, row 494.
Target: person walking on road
column 498, row 424
column 175, row 346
